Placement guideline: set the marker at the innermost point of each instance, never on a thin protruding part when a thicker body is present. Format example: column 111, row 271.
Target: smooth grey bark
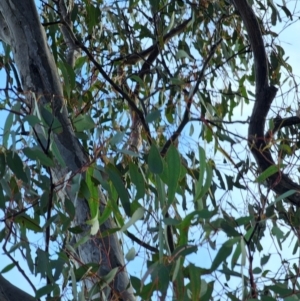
column 21, row 29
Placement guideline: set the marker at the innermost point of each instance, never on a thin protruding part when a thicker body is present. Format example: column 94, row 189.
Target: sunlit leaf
column 130, row 254
column 137, row 215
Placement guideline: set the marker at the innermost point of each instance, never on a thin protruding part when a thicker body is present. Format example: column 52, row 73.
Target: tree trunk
column 21, row 29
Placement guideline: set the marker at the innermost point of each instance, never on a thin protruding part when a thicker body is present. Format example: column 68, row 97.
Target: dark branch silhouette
column 265, row 94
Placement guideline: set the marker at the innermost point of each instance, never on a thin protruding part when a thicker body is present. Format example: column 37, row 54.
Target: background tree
column 121, row 138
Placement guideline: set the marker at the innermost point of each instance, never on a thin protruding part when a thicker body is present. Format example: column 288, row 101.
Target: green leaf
column 117, row 138
column 15, row 163
column 277, row 232
column 94, row 223
column 221, row 256
column 36, row 154
column 208, row 182
column 50, row 120
column 7, row 129
column 160, row 276
column 286, row 11
column 291, row 298
column 57, row 155
column 235, row 256
column 137, row 215
column 177, row 81
column 202, row 161
column 268, row 172
column 130, row 254
column 182, row 54
column 106, row 213
column 173, row 172
column 28, row 222
column 138, row 180
column 93, row 199
column 154, row 160
column 285, row 195
column 2, row 165
column 119, row 185
column 195, row 281
column 7, row 268
column 83, row 123
column 264, row 259
column 153, row 116
column 107, row 279
column 85, row 269
column 68, row 75
column 161, row 194
column 138, row 79
column 45, row 290
column 32, row 120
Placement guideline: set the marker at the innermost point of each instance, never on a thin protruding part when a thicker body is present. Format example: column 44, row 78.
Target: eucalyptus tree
column 118, row 116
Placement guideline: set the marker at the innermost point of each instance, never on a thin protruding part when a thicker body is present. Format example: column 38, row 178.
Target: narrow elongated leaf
column 138, row 180
column 106, row 213
column 15, row 163
column 221, row 256
column 267, row 173
column 137, row 215
column 285, row 195
column 7, row 129
column 235, row 256
column 195, row 281
column 36, row 154
column 202, row 160
column 2, row 164
column 119, row 185
column 173, row 172
column 201, row 191
column 28, row 222
column 160, row 191
column 83, row 123
column 7, row 268
column 154, row 160
column 44, row 291
column 183, row 54
column 93, row 199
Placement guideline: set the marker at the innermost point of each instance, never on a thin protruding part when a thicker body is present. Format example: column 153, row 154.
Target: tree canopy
column 127, row 150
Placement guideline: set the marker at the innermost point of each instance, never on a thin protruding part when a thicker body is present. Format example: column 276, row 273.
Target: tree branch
column 189, row 99
column 278, row 182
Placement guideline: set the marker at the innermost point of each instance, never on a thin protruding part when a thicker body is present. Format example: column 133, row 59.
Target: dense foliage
column 159, row 93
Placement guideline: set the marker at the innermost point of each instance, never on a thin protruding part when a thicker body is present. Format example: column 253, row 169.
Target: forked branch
column 265, row 94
